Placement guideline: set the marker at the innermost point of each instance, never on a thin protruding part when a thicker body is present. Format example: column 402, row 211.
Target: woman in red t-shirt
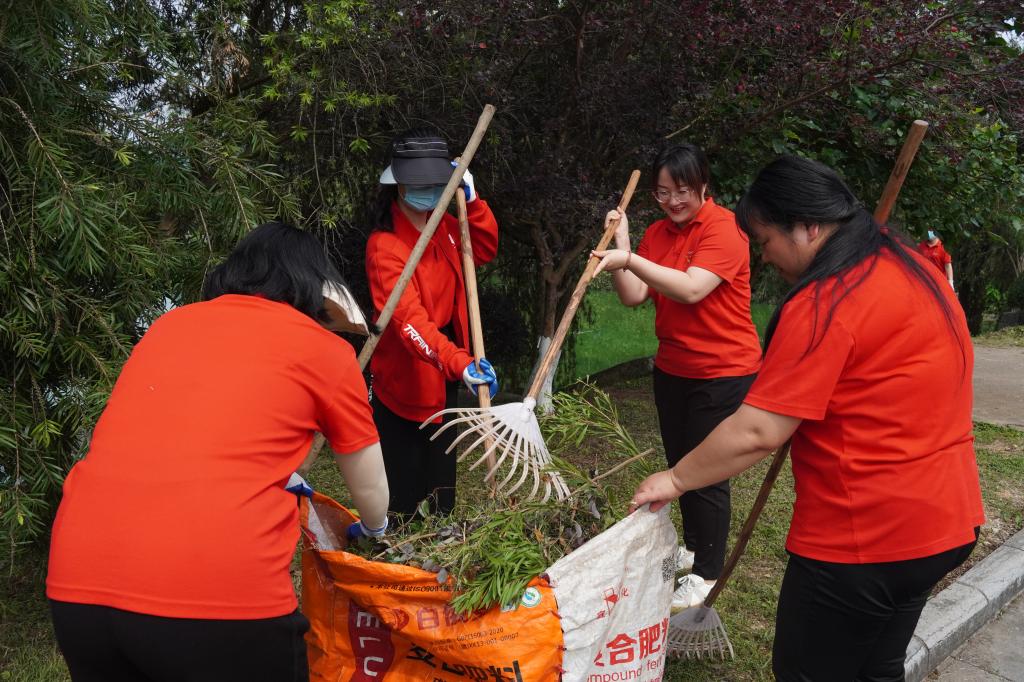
column 170, row 553
column 868, row 368
column 424, row 352
column 694, row 264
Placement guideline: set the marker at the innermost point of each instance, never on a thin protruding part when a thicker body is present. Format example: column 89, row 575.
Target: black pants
column 852, row 622
column 688, row 410
column 103, row 644
column 417, row 467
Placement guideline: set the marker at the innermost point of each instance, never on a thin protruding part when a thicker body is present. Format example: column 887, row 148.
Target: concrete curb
column 960, row 610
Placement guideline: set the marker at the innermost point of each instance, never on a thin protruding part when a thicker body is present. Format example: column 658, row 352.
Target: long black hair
column 793, row 190
column 281, row 263
column 379, row 214
column 686, row 164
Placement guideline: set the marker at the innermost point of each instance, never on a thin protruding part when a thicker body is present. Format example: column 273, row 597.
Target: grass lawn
column 1009, row 336
column 28, row 652
column 747, row 606
column 617, row 333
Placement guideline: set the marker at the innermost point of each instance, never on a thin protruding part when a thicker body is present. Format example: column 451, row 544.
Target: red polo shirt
column 414, row 359
column 884, row 458
column 936, row 254
column 179, row 507
column 714, row 337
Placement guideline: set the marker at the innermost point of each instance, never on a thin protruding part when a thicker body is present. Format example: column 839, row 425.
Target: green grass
column 617, row 333
column 1009, row 336
column 28, row 652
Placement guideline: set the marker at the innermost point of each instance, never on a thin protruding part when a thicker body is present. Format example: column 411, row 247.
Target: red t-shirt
column 414, row 358
column 884, row 457
column 714, row 337
column 936, row 254
column 179, row 507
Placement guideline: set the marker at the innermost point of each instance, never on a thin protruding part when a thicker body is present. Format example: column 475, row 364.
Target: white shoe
column 692, row 591
column 684, row 559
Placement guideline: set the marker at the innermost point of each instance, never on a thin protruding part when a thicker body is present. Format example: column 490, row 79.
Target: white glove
column 297, row 485
column 468, row 186
column 486, row 375
column 359, row 530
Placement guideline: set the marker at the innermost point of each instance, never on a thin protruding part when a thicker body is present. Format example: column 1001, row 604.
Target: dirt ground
column 999, row 385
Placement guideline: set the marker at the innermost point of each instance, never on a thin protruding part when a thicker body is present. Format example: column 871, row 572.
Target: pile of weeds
column 490, row 550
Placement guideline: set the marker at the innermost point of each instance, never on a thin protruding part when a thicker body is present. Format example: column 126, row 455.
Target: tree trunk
column 549, row 300
column 547, row 388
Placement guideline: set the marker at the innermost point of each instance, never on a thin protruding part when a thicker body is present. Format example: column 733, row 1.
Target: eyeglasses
column 663, row 195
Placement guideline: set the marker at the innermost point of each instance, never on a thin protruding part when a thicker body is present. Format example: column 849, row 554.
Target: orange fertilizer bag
column 373, row 621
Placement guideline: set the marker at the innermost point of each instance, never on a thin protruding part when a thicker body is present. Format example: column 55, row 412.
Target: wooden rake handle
column 427, row 234
column 577, row 295
column 748, row 525
column 882, row 211
column 476, row 330
column 899, row 171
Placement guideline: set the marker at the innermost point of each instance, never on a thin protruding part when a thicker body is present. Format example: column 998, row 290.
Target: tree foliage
column 112, row 205
column 587, row 90
column 139, row 138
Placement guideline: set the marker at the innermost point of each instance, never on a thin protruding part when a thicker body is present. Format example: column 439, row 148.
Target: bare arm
column 633, row 284
column 691, row 286
column 367, row 482
column 738, row 443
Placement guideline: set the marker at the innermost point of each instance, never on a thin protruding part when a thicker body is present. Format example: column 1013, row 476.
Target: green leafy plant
column 491, row 550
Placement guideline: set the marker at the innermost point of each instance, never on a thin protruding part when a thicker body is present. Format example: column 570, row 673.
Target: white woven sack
column 614, row 594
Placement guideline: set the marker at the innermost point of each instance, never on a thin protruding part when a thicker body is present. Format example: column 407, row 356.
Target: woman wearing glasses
column 694, row 264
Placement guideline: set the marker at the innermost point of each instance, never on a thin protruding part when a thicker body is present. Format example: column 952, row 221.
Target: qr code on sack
column 668, row 568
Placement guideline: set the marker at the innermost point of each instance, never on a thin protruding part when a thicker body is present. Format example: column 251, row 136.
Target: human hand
column 359, row 530
column 468, row 185
column 298, row 486
column 611, row 259
column 474, row 378
column 659, row 489
column 622, row 230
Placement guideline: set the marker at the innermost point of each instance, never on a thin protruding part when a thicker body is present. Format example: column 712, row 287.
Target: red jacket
column 414, row 359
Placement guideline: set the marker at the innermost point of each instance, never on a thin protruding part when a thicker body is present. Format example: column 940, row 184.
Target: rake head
column 698, row 631
column 512, row 434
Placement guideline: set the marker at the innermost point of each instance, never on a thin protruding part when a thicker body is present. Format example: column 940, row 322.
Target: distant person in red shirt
column 694, row 264
column 171, row 549
column 887, row 493
column 932, row 249
column 424, row 352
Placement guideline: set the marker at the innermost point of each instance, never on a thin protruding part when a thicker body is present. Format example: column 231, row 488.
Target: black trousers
column 417, row 467
column 103, row 644
column 688, row 410
column 853, row 622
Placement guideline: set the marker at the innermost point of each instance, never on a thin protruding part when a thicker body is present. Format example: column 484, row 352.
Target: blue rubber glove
column 468, row 185
column 358, row 530
column 298, row 485
column 485, row 375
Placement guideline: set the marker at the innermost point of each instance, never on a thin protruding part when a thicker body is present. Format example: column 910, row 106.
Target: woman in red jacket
column 694, row 264
column 424, row 350
column 868, row 368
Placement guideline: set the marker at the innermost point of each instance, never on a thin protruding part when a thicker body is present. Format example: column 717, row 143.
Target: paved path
column 994, row 654
column 999, row 385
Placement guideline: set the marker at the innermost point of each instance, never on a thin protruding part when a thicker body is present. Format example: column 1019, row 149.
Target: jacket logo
column 421, row 343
